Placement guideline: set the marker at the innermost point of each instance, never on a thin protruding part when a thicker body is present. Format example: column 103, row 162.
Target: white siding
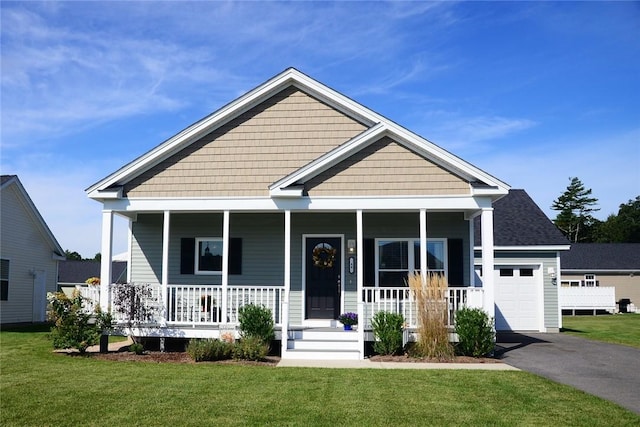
column 26, row 247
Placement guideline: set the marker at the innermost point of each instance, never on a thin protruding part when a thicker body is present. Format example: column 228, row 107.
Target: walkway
column 368, row 364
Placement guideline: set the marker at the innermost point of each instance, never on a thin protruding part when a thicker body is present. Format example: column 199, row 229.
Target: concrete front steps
column 322, row 344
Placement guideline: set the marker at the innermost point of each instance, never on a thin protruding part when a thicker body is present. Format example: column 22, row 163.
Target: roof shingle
column 71, row 271
column 601, row 256
column 518, row 221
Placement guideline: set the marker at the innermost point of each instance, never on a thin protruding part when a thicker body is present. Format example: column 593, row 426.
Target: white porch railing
column 91, row 295
column 193, row 305
column 587, row 298
column 402, row 301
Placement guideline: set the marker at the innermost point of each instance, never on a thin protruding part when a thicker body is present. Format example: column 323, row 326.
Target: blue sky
column 533, row 93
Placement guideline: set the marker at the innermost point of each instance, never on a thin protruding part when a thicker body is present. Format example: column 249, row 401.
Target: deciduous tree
column 623, row 227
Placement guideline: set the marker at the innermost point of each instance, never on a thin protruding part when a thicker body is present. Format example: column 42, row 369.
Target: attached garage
column 518, row 295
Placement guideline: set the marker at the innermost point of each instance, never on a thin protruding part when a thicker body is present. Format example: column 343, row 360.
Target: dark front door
column 323, row 284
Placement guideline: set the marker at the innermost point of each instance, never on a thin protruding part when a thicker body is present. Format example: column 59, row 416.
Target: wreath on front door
column 324, row 255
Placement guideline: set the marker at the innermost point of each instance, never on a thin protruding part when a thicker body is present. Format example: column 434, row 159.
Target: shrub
column 432, row 309
column 387, row 331
column 74, row 326
column 475, row 332
column 251, row 348
column 209, row 350
column 256, row 321
column 136, row 348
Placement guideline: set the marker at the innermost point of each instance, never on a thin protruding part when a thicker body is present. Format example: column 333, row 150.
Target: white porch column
column 284, row 315
column 287, row 254
column 165, row 267
column 105, row 263
column 472, row 254
column 225, row 265
column 423, row 246
column 129, row 249
column 360, row 279
column 486, row 220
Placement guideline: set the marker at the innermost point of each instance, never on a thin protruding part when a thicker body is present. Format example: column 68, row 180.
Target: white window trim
column 590, row 280
column 196, row 261
column 410, row 254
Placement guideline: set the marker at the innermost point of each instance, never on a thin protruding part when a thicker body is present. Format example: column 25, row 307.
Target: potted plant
column 348, row 320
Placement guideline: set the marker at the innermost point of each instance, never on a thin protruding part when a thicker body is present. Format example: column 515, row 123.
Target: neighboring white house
column 297, row 197
column 29, row 255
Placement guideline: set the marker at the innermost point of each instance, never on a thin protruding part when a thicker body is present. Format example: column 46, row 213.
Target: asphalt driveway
column 608, row 371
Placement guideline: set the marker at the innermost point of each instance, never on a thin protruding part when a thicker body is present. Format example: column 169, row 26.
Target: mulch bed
column 174, row 357
column 456, row 359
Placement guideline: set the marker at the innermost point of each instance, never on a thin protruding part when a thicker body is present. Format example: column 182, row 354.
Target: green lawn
column 40, row 388
column 618, row 329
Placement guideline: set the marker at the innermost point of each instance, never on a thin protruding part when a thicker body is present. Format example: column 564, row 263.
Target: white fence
column 587, row 298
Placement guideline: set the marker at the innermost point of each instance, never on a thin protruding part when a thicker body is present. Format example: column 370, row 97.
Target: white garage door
column 517, row 298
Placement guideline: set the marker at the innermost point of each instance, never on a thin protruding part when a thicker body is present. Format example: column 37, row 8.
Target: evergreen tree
column 575, row 206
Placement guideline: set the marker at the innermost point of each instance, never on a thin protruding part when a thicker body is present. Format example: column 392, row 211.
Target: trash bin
column 623, row 304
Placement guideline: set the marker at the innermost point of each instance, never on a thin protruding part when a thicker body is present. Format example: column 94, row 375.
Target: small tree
column 74, row 326
column 575, row 206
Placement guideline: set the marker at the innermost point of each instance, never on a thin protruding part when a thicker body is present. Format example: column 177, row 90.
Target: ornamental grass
column 431, row 297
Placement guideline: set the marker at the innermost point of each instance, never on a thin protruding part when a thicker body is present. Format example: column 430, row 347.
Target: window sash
column 397, row 258
column 208, row 259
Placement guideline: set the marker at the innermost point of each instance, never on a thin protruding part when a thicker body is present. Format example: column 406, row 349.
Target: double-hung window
column 397, row 258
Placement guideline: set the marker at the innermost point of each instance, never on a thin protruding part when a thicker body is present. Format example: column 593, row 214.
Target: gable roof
column 72, row 271
column 6, row 181
column 601, row 256
column 377, row 126
column 518, row 221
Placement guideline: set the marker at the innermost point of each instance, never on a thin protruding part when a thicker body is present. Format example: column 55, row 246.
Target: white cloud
column 474, row 134
column 56, row 80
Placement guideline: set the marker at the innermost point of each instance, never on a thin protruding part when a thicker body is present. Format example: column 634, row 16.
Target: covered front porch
column 306, row 267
